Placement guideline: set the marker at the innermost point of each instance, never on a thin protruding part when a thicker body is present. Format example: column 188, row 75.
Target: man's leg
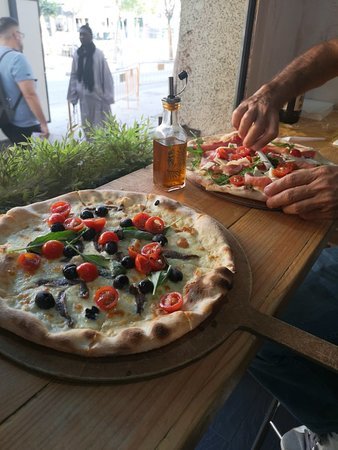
column 19, row 134
column 307, row 390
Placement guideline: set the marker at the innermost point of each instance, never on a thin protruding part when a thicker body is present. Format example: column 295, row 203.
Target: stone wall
column 210, row 49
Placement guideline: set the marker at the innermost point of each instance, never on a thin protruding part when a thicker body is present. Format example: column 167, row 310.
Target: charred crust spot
column 160, row 331
column 133, row 336
column 91, row 335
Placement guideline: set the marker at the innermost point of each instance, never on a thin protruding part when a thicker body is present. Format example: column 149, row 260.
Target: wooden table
column 171, row 411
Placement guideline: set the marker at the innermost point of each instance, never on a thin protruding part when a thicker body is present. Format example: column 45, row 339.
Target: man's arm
column 27, row 88
column 257, row 117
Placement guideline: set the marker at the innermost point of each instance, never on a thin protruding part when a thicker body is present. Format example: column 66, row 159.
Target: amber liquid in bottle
column 170, row 156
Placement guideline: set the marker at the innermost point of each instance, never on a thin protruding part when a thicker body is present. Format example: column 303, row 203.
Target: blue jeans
column 307, row 390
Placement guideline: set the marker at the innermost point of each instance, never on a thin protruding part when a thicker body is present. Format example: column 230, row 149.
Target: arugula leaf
column 219, row 179
column 283, row 144
column 196, row 153
column 158, row 278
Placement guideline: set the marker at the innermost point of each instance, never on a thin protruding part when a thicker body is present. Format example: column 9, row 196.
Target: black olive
column 111, row 247
column 92, row 312
column 119, row 233
column 128, row 262
column 58, row 226
column 70, row 272
column 69, row 252
column 157, row 202
column 101, row 211
column 146, row 286
column 161, row 239
column 175, row 274
column 126, row 223
column 86, row 214
column 120, row 281
column 44, row 300
column 89, row 234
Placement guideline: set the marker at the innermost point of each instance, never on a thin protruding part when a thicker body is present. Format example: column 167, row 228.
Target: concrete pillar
column 209, row 49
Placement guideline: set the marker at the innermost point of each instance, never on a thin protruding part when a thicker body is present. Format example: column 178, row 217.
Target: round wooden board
column 127, row 368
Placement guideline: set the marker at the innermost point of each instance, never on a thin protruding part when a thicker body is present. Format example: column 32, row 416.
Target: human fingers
column 237, row 115
column 264, row 130
column 288, row 197
column 296, row 178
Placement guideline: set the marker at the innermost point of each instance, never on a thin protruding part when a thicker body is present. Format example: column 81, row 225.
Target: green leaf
column 117, row 269
column 63, row 236
column 129, row 233
column 98, row 260
column 158, row 278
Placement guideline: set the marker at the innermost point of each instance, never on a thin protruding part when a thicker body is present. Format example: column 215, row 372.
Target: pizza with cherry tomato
column 223, row 164
column 100, row 273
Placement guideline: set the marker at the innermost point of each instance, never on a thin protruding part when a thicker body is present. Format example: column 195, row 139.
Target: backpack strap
column 20, row 95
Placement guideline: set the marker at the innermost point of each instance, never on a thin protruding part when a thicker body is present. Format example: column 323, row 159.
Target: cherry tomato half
column 29, row 262
column 154, row 225
column 52, row 249
column 142, row 264
column 97, row 224
column 56, row 218
column 237, row 180
column 140, row 220
column 224, row 152
column 106, row 298
column 108, row 236
column 134, row 248
column 171, row 302
column 283, row 169
column 74, row 224
column 295, row 152
column 87, row 271
column 61, row 208
column 152, row 250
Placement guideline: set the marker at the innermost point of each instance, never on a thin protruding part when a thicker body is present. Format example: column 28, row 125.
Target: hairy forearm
column 35, row 106
column 308, row 71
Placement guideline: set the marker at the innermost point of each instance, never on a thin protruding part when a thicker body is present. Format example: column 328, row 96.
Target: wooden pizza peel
column 235, row 314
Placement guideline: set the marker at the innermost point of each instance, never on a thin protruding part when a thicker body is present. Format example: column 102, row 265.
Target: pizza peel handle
column 306, row 344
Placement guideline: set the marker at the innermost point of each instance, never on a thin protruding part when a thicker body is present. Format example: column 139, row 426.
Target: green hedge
column 39, row 169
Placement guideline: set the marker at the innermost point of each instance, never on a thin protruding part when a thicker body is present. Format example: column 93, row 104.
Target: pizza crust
column 201, row 180
column 202, row 293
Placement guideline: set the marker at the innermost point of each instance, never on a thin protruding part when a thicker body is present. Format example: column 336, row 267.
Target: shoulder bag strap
column 20, row 95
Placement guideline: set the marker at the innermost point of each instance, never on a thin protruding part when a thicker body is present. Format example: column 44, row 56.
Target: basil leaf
column 137, row 234
column 58, row 236
column 158, row 278
column 95, row 259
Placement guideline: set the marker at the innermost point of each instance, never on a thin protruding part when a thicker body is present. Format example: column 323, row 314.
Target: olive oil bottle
column 170, row 146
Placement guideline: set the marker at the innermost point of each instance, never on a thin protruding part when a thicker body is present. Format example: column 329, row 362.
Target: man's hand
column 257, row 121
column 310, row 193
column 44, row 131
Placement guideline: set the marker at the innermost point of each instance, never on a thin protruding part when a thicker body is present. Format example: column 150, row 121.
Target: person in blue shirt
column 307, row 390
column 18, row 81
